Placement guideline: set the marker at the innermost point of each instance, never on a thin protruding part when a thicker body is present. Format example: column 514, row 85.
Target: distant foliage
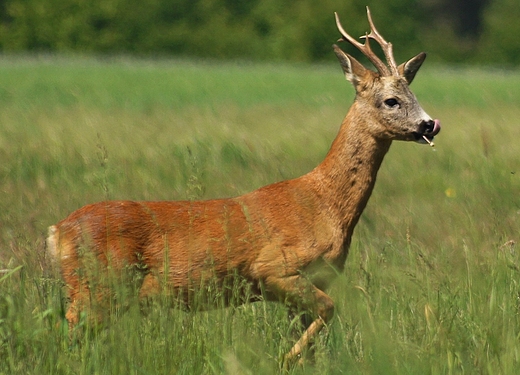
column 294, row 30
column 500, row 40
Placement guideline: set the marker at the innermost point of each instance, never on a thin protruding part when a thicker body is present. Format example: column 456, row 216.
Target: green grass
column 432, row 282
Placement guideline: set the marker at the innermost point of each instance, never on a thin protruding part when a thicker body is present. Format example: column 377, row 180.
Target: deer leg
column 78, row 294
column 302, row 321
column 323, row 309
column 302, row 294
column 88, row 292
column 150, row 287
column 72, row 314
column 94, row 303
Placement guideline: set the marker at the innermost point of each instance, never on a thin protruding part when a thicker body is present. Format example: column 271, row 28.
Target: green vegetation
column 432, row 283
column 477, row 31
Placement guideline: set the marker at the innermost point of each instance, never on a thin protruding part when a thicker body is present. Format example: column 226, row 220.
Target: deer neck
column 348, row 173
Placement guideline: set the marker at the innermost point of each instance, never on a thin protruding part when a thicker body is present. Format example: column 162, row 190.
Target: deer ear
column 353, row 69
column 409, row 69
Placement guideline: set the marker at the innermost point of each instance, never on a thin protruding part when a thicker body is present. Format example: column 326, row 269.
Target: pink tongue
column 436, row 127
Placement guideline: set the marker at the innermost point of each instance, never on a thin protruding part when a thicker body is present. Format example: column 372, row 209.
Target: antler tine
column 385, row 46
column 364, row 48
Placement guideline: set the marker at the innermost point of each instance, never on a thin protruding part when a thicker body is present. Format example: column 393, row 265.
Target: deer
column 287, row 240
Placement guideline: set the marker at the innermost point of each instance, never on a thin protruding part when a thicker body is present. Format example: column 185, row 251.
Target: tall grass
column 432, row 279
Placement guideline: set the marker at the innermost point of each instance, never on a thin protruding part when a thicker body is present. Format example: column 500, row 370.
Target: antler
column 365, row 48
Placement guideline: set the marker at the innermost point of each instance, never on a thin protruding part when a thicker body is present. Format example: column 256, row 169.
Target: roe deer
column 283, row 239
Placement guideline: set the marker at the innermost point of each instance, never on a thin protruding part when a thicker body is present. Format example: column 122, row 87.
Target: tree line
column 455, row 31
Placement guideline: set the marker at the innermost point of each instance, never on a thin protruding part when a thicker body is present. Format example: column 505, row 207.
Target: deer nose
column 430, row 127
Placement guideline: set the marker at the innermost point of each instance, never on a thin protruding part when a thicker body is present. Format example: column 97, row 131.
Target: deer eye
column 392, row 103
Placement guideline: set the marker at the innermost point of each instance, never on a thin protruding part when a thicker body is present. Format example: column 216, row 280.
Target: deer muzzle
column 427, row 131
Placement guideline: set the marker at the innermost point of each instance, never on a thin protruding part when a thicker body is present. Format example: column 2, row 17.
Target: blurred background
column 452, row 31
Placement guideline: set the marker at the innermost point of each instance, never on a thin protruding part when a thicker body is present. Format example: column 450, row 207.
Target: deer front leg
column 304, row 341
column 303, row 295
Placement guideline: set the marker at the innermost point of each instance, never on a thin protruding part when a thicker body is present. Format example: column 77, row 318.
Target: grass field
column 432, row 282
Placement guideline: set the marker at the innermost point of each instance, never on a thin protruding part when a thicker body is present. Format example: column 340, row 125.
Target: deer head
column 384, row 97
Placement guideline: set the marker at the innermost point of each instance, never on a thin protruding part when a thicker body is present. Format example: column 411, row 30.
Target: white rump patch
column 52, row 243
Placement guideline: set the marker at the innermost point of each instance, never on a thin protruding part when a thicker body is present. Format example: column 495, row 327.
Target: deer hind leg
column 88, row 290
column 91, row 300
column 78, row 295
column 301, row 294
column 63, row 253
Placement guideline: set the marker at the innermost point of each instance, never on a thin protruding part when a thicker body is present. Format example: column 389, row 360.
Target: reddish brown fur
column 281, row 238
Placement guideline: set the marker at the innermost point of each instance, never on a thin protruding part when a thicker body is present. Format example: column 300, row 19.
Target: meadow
column 432, row 281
